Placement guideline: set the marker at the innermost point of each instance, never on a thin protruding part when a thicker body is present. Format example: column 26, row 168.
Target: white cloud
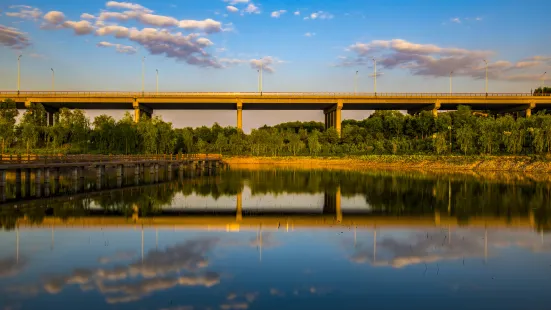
column 54, row 17
column 207, row 25
column 456, row 20
column 297, row 13
column 13, row 38
column 277, row 14
column 266, row 63
column 82, row 27
column 232, row 9
column 87, row 16
column 37, row 56
column 128, row 6
column 478, row 18
column 321, row 15
column 204, row 42
column 233, row 2
column 157, row 20
column 436, row 61
column 252, row 9
column 309, row 34
column 117, row 31
column 25, row 12
column 123, row 49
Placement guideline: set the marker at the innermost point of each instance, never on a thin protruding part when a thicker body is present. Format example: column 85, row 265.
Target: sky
column 302, row 45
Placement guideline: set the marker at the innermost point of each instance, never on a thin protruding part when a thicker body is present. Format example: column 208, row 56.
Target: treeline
column 384, row 132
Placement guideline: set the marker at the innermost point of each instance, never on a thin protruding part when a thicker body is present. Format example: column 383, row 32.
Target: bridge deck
column 276, row 101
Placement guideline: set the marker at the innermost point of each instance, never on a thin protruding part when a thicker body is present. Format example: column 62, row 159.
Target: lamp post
column 143, row 74
column 451, row 82
column 374, row 76
column 157, row 78
column 486, row 62
column 543, row 82
column 356, row 83
column 19, row 73
column 53, row 79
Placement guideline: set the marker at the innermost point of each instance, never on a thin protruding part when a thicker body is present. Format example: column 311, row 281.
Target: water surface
column 282, row 239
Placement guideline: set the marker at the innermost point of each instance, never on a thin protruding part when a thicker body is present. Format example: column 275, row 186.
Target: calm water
column 281, row 239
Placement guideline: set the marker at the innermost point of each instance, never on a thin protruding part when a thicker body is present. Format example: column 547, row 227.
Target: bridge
column 144, row 103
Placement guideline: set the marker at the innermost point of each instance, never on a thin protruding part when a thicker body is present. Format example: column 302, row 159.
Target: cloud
column 13, row 38
column 433, row 60
column 157, row 20
column 117, row 31
column 37, row 56
column 10, row 267
column 233, row 2
column 208, row 25
column 277, row 14
column 127, row 5
column 456, row 20
column 87, row 16
column 235, row 306
column 123, row 49
column 204, row 42
column 309, row 34
column 159, row 270
column 252, row 9
column 478, row 18
column 82, row 27
column 25, row 12
column 54, row 18
column 297, row 13
column 232, row 9
column 321, row 15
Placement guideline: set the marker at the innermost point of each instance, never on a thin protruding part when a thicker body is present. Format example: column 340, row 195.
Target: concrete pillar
column 119, row 171
column 27, row 182
column 56, row 175
column 46, row 190
column 18, row 176
column 337, row 118
column 37, row 175
column 3, row 178
column 47, row 175
column 140, row 109
column 239, row 207
column 338, row 209
column 240, row 114
column 156, row 172
column 169, row 171
column 333, row 117
column 75, row 174
column 38, row 190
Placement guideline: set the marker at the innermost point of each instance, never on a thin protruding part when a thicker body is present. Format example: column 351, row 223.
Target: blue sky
column 217, row 45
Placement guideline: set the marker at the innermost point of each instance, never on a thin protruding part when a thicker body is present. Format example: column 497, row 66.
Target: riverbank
column 413, row 162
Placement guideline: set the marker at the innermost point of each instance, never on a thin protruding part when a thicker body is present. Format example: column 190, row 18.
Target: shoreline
column 407, row 162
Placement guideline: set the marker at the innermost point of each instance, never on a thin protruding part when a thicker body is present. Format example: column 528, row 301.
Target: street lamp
column 53, row 79
column 356, row 83
column 486, row 75
column 19, row 73
column 543, row 82
column 157, row 70
column 260, row 77
column 451, row 82
column 143, row 74
column 375, row 76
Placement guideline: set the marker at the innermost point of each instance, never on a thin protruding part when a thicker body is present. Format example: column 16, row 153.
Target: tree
column 313, row 143
column 221, row 142
column 8, row 115
column 465, row 137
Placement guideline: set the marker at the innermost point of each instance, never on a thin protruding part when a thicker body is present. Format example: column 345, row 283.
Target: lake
column 268, row 238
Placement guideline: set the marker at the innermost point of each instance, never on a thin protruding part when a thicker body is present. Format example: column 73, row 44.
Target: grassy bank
column 415, row 162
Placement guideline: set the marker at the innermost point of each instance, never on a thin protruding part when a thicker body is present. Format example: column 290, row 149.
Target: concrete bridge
column 144, row 103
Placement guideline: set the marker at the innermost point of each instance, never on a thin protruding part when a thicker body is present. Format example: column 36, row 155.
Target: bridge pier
column 433, row 108
column 239, row 207
column 3, row 183
column 47, row 175
column 37, row 176
column 333, row 117
column 332, row 204
column 140, row 109
column 526, row 108
column 239, row 107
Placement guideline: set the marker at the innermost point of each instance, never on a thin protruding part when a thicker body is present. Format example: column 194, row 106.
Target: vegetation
column 384, row 132
column 387, row 193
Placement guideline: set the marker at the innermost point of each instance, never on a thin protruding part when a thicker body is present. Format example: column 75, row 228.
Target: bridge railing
column 45, row 159
column 238, row 94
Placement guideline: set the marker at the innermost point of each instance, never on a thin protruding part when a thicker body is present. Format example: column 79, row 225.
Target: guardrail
column 45, row 159
column 239, row 94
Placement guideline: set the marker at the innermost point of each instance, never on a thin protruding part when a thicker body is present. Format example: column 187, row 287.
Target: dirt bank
column 418, row 162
